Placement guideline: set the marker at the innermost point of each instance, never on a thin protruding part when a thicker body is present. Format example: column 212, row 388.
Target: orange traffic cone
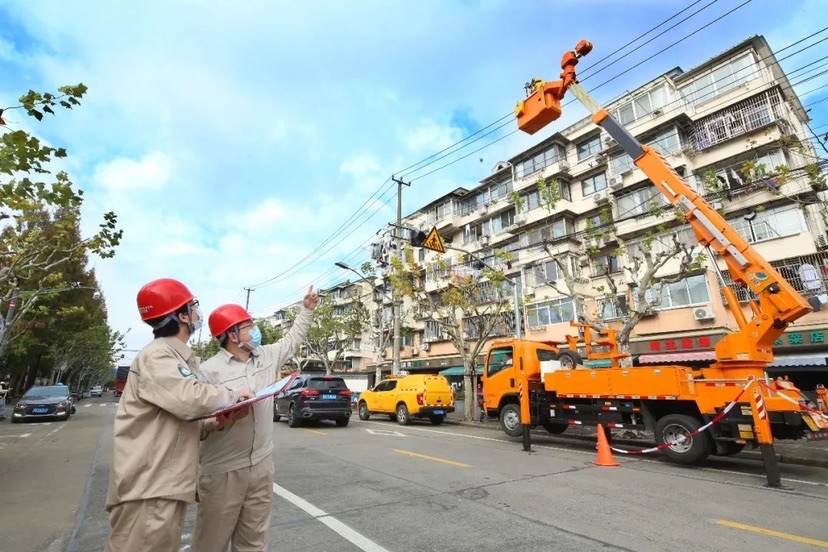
column 604, row 452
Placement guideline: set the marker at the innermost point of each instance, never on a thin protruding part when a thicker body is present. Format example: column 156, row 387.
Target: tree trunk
column 469, row 391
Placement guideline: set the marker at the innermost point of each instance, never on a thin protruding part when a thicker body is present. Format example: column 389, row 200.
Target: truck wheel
column 276, row 416
column 569, row 359
column 554, row 428
column 403, row 418
column 676, row 428
column 293, row 421
column 364, row 414
column 510, row 420
column 342, row 422
column 436, row 420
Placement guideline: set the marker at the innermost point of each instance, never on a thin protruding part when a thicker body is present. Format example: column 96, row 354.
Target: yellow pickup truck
column 406, row 396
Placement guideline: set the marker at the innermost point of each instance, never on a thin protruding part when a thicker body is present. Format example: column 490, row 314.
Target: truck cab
column 510, row 360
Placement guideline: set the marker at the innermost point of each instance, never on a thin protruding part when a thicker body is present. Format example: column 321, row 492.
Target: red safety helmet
column 225, row 317
column 161, row 297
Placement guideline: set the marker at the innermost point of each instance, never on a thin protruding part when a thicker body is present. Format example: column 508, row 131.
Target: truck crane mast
column 672, row 401
column 740, row 354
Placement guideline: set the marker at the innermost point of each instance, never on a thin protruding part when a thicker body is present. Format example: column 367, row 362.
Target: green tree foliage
column 475, row 306
column 40, row 213
column 332, row 329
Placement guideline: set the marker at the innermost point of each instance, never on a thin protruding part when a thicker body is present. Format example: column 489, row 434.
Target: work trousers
column 153, row 524
column 234, row 508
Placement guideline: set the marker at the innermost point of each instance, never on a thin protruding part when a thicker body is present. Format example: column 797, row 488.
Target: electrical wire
column 435, row 157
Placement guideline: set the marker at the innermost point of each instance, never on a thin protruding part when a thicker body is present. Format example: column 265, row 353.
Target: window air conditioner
column 426, row 346
column 616, row 182
column 415, row 351
column 609, row 141
column 703, row 313
column 528, row 290
column 600, row 157
column 563, row 165
column 601, row 198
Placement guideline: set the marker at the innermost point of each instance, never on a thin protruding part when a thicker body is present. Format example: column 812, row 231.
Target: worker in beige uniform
column 235, row 487
column 154, row 468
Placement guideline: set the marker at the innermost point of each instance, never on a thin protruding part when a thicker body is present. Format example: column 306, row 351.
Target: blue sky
column 233, row 138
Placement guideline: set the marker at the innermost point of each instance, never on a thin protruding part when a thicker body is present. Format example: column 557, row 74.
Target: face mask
column 195, row 326
column 255, row 338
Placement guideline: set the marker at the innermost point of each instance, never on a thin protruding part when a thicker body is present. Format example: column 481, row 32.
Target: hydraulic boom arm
column 741, row 353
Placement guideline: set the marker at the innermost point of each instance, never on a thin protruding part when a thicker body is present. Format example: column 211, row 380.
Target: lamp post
column 395, row 363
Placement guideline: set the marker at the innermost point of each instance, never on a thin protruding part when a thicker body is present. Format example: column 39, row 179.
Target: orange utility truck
column 545, row 385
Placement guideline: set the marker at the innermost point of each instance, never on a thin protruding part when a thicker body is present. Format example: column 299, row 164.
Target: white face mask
column 195, row 326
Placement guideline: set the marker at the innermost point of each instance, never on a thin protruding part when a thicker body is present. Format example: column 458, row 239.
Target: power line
column 436, row 157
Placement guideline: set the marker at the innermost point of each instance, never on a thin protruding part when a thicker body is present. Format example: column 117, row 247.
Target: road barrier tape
column 790, row 400
column 718, row 417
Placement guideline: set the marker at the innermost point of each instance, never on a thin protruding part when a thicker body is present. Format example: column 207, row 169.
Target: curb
column 751, row 454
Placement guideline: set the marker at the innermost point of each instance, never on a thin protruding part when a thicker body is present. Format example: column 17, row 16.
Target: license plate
column 328, row 397
column 40, row 410
column 438, row 412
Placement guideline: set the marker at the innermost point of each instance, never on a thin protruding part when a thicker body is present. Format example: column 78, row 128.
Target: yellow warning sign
column 434, row 242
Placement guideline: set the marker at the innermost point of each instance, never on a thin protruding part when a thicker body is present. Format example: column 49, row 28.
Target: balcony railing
column 808, row 274
column 737, row 120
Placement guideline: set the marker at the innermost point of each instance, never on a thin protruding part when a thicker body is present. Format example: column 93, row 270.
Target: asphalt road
column 44, row 468
column 377, row 486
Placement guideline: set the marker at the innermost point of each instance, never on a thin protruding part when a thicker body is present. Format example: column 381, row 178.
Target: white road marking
column 87, row 405
column 357, row 539
column 384, row 432
column 638, row 458
column 21, row 436
column 102, row 405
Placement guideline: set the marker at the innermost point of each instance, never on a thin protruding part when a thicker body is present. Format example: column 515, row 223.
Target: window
column 538, row 162
column 503, row 220
column 407, row 340
column 544, row 272
column 735, row 178
column 662, row 243
column 738, row 119
column 689, row 291
column 555, row 231
column 642, row 105
column 640, row 202
column 435, row 331
column 609, row 308
column 499, row 359
column 770, row 224
column 594, row 184
column 501, row 190
column 588, row 148
column 721, row 79
column 603, row 263
column 550, row 312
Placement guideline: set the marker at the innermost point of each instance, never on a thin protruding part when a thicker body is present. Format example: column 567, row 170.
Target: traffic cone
column 604, row 452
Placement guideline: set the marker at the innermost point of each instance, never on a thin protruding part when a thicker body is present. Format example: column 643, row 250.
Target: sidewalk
column 805, row 453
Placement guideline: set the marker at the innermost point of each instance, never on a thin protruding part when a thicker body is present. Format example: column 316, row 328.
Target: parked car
column 44, row 401
column 312, row 397
column 406, row 396
column 96, row 391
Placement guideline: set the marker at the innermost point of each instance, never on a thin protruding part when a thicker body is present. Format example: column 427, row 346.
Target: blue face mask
column 195, row 326
column 255, row 338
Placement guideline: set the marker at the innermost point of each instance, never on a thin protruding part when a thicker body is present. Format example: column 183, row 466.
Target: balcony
column 737, row 120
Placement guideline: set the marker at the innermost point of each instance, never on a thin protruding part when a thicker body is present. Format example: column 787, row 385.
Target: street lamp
column 395, row 312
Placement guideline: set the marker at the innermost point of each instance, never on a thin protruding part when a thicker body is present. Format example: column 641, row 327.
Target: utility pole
column 247, row 301
column 397, row 308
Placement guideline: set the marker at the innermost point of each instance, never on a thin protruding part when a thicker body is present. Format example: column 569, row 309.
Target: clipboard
column 262, row 394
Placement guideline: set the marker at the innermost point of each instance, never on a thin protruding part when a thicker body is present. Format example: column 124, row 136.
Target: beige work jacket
column 155, row 448
column 250, row 439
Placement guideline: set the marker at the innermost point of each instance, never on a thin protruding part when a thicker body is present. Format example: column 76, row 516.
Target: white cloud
column 430, row 137
column 151, row 172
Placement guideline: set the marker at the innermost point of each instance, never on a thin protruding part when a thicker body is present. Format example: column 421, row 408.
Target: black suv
column 314, row 398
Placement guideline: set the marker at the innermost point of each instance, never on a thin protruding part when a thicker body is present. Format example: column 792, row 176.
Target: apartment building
column 735, row 129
